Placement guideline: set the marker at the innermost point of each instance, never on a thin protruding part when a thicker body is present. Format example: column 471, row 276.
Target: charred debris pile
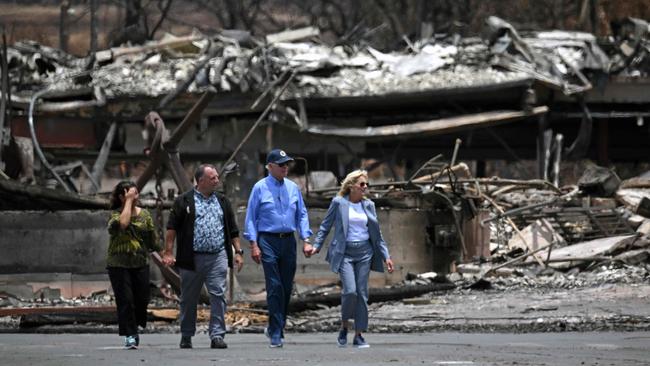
column 499, row 232
column 533, row 230
column 284, row 72
column 539, row 238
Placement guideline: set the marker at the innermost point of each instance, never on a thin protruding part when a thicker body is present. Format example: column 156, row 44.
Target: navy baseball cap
column 277, row 156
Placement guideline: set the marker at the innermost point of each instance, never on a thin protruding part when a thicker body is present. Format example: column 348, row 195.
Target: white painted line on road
column 607, row 346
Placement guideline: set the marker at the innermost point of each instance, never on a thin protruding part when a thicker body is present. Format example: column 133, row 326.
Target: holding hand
column 308, row 250
column 256, row 253
column 390, row 265
column 239, row 262
column 168, row 259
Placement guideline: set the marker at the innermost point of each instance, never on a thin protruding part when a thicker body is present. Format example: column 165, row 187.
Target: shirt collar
column 276, row 182
column 199, row 194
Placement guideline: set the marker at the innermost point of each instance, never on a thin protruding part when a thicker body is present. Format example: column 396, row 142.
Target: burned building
column 78, row 124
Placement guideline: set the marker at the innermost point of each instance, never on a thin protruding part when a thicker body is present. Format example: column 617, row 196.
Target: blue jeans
column 354, row 273
column 211, row 269
column 279, row 263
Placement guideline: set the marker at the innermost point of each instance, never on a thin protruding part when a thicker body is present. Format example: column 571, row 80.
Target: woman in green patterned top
column 132, row 237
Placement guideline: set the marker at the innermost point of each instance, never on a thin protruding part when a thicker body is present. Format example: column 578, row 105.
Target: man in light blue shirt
column 275, row 212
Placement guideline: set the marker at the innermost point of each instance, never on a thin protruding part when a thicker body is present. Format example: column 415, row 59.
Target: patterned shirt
column 209, row 236
column 130, row 247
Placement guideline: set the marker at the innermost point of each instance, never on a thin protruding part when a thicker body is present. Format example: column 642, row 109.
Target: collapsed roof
column 233, row 63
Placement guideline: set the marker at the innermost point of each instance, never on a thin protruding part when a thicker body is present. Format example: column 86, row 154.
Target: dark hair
column 201, row 170
column 118, row 191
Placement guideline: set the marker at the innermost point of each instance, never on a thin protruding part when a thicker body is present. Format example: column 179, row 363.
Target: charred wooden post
column 155, row 124
column 581, row 144
column 261, row 117
column 559, row 140
column 4, row 100
column 171, row 144
column 100, row 163
column 63, row 25
column 160, row 143
column 542, row 125
column 302, row 303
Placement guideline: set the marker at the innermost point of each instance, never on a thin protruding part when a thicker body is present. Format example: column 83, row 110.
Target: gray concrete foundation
column 66, row 250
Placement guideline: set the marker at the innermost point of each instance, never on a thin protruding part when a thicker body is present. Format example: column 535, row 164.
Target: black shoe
column 186, row 342
column 137, row 340
column 218, row 342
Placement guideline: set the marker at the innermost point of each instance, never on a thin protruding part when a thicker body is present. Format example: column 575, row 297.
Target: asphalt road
column 602, row 348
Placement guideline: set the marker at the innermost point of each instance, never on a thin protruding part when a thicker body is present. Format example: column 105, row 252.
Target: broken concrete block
column 644, row 228
column 538, row 234
column 643, row 208
column 634, row 256
column 17, row 291
column 602, row 202
column 635, row 221
column 566, row 257
column 631, row 197
column 599, row 181
column 47, row 293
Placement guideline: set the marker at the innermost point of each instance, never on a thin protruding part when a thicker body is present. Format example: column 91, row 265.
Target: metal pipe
column 37, row 147
column 191, row 118
column 422, row 167
column 519, row 210
column 455, row 154
column 559, row 138
column 452, row 209
column 260, row 118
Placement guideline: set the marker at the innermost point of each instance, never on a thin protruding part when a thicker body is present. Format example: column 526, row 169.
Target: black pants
column 131, row 288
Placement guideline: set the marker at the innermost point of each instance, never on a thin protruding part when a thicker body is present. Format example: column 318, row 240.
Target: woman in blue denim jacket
column 357, row 248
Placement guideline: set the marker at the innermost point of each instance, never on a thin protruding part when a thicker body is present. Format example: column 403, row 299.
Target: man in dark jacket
column 203, row 224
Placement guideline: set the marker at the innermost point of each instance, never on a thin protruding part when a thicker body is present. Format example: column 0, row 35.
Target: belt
column 203, row 252
column 277, row 235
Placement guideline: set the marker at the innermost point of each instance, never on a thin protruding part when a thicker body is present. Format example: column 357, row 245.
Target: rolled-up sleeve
column 250, row 223
column 326, row 225
column 382, row 243
column 302, row 218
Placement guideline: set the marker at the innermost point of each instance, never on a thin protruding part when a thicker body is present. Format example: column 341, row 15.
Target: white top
column 357, row 223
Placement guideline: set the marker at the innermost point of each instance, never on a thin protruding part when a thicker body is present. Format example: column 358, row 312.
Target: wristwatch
column 239, row 251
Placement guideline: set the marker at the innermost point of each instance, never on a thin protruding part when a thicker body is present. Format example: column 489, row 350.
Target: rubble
column 542, row 236
column 136, row 71
column 557, row 58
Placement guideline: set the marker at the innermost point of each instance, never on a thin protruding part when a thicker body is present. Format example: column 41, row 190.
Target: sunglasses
column 282, row 165
column 363, row 184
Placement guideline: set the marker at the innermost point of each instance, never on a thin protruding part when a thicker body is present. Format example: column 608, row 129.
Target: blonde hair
column 350, row 180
